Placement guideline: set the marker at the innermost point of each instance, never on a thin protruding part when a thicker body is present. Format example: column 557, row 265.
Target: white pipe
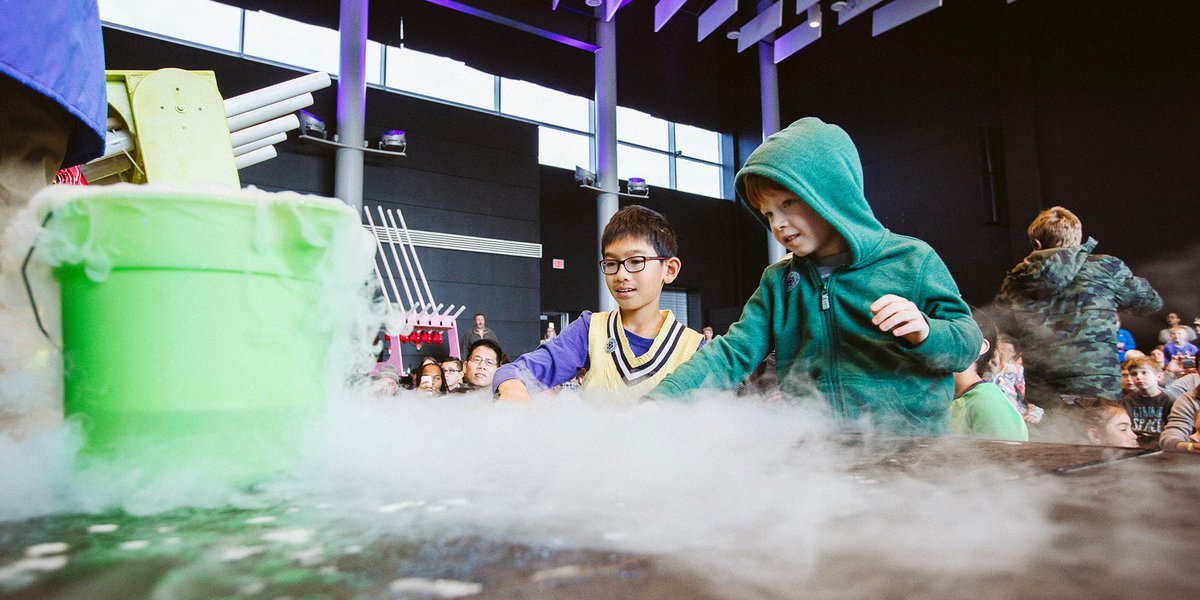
column 416, row 259
column 263, row 143
column 262, row 130
column 116, row 142
column 383, row 257
column 263, row 114
column 253, row 158
column 280, row 91
column 404, row 252
column 396, row 259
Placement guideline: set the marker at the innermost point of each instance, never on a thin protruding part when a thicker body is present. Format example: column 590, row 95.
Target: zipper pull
column 824, row 300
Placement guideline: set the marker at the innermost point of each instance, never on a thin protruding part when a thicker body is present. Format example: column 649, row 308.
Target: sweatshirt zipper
column 827, row 318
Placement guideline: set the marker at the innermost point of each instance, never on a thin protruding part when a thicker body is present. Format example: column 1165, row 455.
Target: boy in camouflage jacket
column 1060, row 305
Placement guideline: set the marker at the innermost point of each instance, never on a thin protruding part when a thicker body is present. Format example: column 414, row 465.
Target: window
column 564, row 149
column 291, row 42
column 651, row 166
column 537, row 103
column 697, row 177
column 675, row 301
column 698, row 143
column 200, row 21
column 642, row 129
column 438, row 77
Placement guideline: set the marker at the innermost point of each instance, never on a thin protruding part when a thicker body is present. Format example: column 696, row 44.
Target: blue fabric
column 57, row 50
column 1124, row 343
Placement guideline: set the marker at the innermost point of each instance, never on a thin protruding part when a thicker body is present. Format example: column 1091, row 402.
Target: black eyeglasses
column 633, row 264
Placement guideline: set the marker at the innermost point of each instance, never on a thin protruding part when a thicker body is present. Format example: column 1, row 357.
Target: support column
column 768, row 79
column 351, row 102
column 606, row 138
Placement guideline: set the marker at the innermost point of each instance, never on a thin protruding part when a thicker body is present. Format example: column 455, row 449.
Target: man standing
column 1060, row 305
column 479, row 332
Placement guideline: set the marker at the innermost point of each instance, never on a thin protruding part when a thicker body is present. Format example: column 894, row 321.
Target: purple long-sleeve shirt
column 557, row 360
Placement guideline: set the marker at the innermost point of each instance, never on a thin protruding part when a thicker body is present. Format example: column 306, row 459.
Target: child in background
column 1105, row 423
column 1179, row 346
column 430, row 379
column 1125, row 341
column 1008, row 373
column 874, row 318
column 1147, row 405
column 979, row 408
column 626, row 351
column 452, row 370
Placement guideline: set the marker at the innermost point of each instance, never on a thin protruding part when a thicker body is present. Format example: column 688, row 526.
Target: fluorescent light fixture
column 664, row 10
column 761, row 26
column 900, row 12
column 792, row 41
column 712, row 18
column 853, row 9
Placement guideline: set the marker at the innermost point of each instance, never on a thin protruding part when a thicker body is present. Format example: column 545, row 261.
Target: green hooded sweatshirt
column 821, row 330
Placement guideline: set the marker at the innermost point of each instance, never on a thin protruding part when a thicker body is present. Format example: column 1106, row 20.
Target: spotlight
column 593, row 3
column 841, row 5
column 585, row 177
column 814, row 16
column 393, row 141
column 733, row 33
column 311, row 126
column 637, row 187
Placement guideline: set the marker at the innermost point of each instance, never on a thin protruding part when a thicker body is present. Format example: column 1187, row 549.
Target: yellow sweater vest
column 614, row 368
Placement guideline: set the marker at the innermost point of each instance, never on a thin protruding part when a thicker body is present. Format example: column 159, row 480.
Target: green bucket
column 197, row 328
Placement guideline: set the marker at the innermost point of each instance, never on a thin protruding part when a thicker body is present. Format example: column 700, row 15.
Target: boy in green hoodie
column 872, row 317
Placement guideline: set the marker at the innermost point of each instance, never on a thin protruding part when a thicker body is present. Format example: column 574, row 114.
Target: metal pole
column 768, row 79
column 351, row 102
column 606, row 137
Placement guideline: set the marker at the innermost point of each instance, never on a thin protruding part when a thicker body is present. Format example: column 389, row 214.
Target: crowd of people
column 868, row 321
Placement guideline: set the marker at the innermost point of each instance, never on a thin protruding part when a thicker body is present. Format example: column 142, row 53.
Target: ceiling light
column 393, row 141
column 814, row 16
column 311, row 126
column 637, row 187
column 585, row 177
column 841, row 5
column 593, row 3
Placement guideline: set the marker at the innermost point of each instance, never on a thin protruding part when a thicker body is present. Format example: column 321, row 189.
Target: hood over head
column 819, row 163
column 1044, row 273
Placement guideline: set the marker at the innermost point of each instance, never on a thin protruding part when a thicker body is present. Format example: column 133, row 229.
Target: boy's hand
column 901, row 317
column 512, row 391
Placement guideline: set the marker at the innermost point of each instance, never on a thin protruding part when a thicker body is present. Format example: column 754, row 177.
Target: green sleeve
column 1134, row 294
column 954, row 339
column 725, row 361
column 991, row 416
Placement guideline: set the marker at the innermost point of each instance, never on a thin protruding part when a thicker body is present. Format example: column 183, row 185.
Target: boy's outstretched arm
column 548, row 365
column 953, row 340
column 1134, row 294
column 727, row 359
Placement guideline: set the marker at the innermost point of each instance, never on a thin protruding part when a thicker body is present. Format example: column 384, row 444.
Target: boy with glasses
column 627, row 351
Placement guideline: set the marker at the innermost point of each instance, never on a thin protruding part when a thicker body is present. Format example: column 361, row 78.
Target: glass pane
column 698, row 143
column 544, row 105
column 697, row 178
column 640, row 128
column 199, row 21
column 439, row 77
column 651, row 166
column 561, row 149
column 374, row 63
column 291, row 42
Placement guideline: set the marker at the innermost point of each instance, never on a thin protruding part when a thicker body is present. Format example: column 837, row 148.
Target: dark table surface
column 1087, row 522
